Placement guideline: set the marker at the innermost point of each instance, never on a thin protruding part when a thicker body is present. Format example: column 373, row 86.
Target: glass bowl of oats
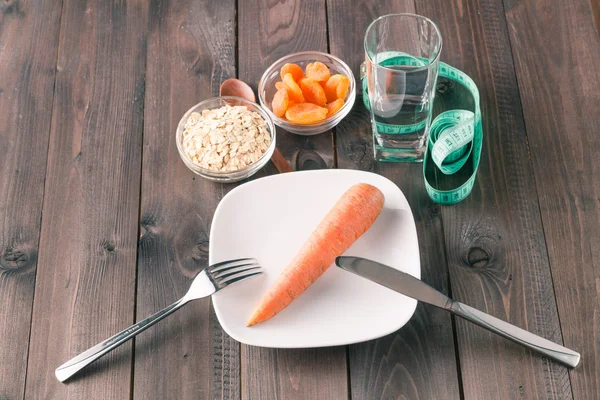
column 225, row 139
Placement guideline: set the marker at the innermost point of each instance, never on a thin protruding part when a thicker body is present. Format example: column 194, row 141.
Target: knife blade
column 412, row 287
column 394, row 279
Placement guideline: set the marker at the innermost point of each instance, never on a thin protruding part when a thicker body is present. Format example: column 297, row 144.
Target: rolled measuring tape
column 455, row 136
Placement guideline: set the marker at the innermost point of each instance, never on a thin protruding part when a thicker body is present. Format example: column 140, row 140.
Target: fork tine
column 234, row 270
column 228, row 268
column 229, row 263
column 240, row 276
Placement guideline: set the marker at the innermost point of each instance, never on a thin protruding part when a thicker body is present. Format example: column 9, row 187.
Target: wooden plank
column 186, row 356
column 557, row 54
column 494, row 239
column 418, row 361
column 596, row 11
column 266, row 32
column 28, row 50
column 294, row 373
column 86, row 271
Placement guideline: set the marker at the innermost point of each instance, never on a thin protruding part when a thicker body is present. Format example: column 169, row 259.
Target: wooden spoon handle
column 280, row 162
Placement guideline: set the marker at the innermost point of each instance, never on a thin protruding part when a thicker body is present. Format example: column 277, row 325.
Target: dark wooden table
column 102, row 224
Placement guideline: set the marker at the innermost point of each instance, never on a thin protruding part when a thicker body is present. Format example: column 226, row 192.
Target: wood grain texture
column 557, row 54
column 294, row 373
column 418, row 361
column 89, row 185
column 28, row 50
column 267, row 31
column 595, row 4
column 187, row 356
column 495, row 245
column 85, row 284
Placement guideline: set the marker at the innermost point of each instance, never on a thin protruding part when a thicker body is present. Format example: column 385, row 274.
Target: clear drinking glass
column 402, row 53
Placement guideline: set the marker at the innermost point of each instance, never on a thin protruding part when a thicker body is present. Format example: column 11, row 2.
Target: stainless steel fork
column 206, row 283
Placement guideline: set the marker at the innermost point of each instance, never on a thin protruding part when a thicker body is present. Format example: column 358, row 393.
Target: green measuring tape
column 455, row 136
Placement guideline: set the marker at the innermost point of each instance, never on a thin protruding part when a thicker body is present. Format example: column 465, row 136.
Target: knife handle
column 516, row 334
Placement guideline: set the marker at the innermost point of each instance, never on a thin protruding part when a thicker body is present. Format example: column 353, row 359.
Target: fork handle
column 77, row 363
column 516, row 334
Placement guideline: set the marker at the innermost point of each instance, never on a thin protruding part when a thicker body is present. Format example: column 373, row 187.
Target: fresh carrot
column 352, row 215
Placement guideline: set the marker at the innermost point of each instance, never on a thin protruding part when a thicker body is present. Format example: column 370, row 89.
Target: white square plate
column 269, row 219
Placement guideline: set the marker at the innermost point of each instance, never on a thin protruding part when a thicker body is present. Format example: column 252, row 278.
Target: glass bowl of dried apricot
column 307, row 93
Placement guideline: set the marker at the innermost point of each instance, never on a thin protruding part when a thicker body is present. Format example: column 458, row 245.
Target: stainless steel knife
column 410, row 286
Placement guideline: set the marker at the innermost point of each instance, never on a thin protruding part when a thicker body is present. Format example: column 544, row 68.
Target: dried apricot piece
column 280, row 102
column 336, row 87
column 334, row 106
column 343, row 86
column 294, row 91
column 305, row 113
column 280, row 85
column 293, row 69
column 313, row 92
column 290, row 103
column 318, row 71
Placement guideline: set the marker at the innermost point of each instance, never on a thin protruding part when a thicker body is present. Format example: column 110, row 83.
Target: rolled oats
column 225, row 139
